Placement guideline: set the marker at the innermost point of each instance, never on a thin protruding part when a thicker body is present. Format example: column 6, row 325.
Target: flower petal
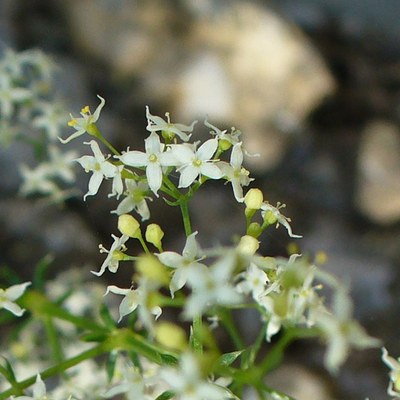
column 211, row 171
column 207, row 149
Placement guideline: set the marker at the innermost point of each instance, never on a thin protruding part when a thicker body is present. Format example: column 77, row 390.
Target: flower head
column 115, row 255
column 235, row 173
column 135, row 199
column 272, row 214
column 100, row 168
column 85, row 123
column 134, row 298
column 8, row 297
column 193, row 163
column 157, row 124
column 153, row 159
column 183, row 264
column 188, row 383
column 341, row 331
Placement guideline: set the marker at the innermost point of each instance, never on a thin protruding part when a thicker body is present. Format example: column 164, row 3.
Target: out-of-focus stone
column 378, row 185
column 238, row 63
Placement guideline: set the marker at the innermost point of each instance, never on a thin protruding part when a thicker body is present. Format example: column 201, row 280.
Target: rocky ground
column 313, row 86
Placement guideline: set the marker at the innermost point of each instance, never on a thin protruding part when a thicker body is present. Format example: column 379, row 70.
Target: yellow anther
column 85, row 110
column 72, row 122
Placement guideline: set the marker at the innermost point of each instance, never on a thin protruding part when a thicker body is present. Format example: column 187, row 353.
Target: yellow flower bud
column 150, row 267
column 248, row 245
column 171, row 336
column 154, row 235
column 129, row 226
column 253, row 199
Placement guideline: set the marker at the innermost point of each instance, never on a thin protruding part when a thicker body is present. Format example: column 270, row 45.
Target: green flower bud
column 171, row 336
column 248, row 245
column 254, row 199
column 150, row 267
column 154, row 235
column 254, row 229
column 129, row 226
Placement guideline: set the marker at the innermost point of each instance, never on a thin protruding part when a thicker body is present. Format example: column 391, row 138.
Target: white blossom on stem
column 84, row 123
column 183, row 264
column 235, row 173
column 115, row 255
column 100, row 168
column 193, row 163
column 153, row 159
column 8, row 297
column 157, row 124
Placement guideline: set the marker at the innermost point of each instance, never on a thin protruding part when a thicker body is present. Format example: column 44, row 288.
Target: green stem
column 197, row 344
column 186, row 217
column 54, row 340
column 38, row 304
column 144, row 245
column 274, row 357
column 94, row 131
column 227, row 320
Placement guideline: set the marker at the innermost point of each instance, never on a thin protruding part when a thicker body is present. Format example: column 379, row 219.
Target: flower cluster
column 150, row 354
column 31, row 113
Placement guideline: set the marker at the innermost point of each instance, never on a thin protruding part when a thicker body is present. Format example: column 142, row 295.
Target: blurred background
column 314, row 85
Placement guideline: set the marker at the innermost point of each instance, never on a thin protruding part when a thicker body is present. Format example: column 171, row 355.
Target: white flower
column 115, row 255
column 60, row 164
column 37, row 180
column 232, row 137
column 277, row 217
column 8, row 297
column 254, row 282
column 134, row 298
column 289, row 298
column 101, row 168
column 135, row 199
column 341, row 331
column 183, row 264
column 84, row 123
column 10, row 95
column 188, row 384
column 133, row 385
column 194, row 163
column 51, row 119
column 235, row 173
column 394, row 365
column 157, row 124
column 153, row 159
column 38, row 391
column 212, row 286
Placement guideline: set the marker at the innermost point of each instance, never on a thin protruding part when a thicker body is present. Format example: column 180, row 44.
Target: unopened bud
column 154, row 235
column 129, row 226
column 171, row 335
column 270, row 218
column 254, row 229
column 150, row 267
column 254, row 199
column 248, row 245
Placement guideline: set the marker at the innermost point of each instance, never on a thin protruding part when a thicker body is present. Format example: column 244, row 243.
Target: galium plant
column 101, row 346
